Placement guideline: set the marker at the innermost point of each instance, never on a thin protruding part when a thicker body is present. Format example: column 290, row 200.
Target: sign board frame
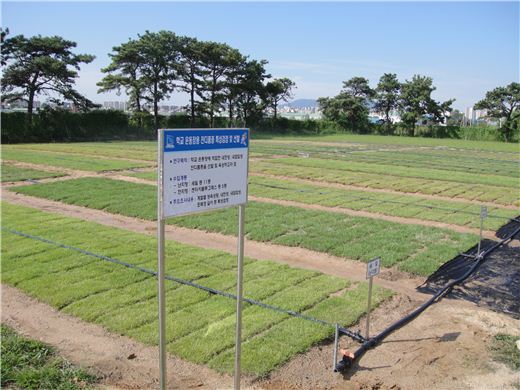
column 373, row 267
column 196, row 143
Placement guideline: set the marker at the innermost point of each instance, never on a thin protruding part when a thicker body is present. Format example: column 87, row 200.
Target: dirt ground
column 444, row 348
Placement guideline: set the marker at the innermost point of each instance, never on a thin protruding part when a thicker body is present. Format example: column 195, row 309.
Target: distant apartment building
column 115, row 105
column 472, row 116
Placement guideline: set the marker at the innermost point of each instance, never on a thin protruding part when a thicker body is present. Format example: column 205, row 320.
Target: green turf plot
column 334, row 233
column 200, row 325
column 71, row 161
column 429, row 161
column 139, row 150
column 407, row 206
column 395, row 205
column 385, row 140
column 400, row 171
column 477, row 192
column 12, row 173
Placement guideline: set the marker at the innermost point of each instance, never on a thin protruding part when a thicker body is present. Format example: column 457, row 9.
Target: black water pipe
column 372, row 342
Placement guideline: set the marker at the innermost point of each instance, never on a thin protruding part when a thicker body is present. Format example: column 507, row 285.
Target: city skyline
column 467, row 48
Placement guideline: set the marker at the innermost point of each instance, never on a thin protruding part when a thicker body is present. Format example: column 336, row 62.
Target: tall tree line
column 216, row 77
column 148, row 69
column 411, row 99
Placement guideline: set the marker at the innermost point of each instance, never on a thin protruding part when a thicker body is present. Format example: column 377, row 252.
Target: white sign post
column 483, row 215
column 200, row 170
column 373, row 269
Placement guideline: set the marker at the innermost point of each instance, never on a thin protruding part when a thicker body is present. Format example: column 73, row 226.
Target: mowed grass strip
column 401, row 171
column 455, row 161
column 405, row 205
column 445, row 211
column 12, row 173
column 413, row 248
column 379, row 140
column 140, row 150
column 477, row 192
column 71, row 161
column 200, row 324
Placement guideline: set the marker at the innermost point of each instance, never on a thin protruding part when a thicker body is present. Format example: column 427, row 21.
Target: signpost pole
column 368, row 306
column 240, row 272
column 483, row 214
column 373, row 268
column 160, row 266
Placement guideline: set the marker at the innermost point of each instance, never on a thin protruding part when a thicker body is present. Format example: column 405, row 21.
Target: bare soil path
column 445, row 348
column 296, row 257
column 106, row 354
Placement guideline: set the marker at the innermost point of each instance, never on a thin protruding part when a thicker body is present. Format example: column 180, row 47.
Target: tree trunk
column 155, row 107
column 387, row 123
column 30, row 107
column 192, row 104
column 230, row 103
column 275, row 109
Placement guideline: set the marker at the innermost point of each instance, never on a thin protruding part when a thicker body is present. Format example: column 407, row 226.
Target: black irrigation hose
column 354, row 335
column 384, row 201
column 372, row 342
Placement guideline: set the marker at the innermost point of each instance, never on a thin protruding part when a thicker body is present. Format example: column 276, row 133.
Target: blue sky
column 467, row 48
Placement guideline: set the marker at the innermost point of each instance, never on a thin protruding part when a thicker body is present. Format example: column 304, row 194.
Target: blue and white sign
column 204, row 169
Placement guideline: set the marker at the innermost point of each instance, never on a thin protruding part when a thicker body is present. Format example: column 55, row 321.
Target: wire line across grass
column 201, row 324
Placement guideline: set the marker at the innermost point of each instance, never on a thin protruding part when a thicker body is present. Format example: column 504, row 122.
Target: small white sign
column 204, row 169
column 483, row 212
column 373, row 267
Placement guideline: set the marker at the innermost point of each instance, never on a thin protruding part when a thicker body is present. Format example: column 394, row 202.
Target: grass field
column 11, row 173
column 30, row 364
column 200, row 324
column 395, row 141
column 327, row 171
column 388, row 204
column 423, row 250
column 392, row 176
column 72, row 161
column 502, row 165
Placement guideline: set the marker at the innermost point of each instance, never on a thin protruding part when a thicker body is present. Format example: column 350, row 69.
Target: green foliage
column 504, row 349
column 387, row 98
column 504, row 102
column 55, row 125
column 415, row 102
column 350, row 108
column 39, row 65
column 277, row 91
column 30, row 364
column 200, row 325
column 328, row 232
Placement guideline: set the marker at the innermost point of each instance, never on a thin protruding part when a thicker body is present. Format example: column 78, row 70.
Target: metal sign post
column 200, row 170
column 160, row 267
column 483, row 214
column 373, row 269
column 240, row 273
